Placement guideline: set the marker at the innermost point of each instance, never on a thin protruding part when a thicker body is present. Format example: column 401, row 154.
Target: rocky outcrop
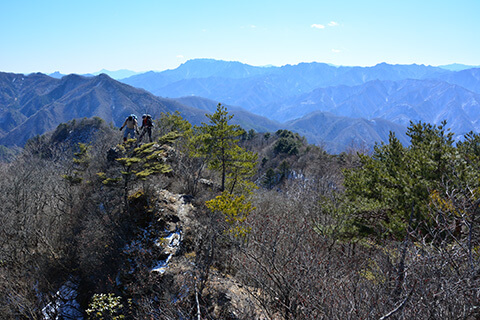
column 168, row 241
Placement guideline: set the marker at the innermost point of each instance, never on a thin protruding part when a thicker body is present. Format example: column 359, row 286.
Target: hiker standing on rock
column 132, row 127
column 147, row 125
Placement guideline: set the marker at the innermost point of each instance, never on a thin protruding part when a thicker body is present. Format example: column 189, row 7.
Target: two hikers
column 131, row 127
column 147, row 125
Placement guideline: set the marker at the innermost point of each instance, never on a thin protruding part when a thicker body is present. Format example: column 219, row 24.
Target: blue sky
column 87, row 36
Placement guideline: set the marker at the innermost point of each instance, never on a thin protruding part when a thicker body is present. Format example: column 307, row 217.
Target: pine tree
column 221, row 150
column 396, row 180
column 219, row 146
column 139, row 163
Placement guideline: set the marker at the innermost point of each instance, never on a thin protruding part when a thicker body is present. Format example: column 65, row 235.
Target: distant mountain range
column 457, row 67
column 397, row 93
column 336, row 107
column 118, row 74
column 34, row 104
column 397, row 101
column 253, row 87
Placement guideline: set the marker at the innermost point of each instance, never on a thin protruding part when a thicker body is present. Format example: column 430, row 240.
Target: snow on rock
column 175, row 206
column 64, row 304
column 170, row 245
column 162, row 266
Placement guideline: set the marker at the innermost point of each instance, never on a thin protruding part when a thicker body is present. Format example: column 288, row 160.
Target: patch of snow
column 170, row 245
column 172, row 242
column 206, row 182
column 162, row 266
column 64, row 304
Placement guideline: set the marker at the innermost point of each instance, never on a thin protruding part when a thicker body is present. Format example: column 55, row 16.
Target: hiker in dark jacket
column 147, row 125
column 131, row 127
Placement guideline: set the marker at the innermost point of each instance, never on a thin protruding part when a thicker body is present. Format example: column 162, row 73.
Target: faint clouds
column 336, row 51
column 322, row 26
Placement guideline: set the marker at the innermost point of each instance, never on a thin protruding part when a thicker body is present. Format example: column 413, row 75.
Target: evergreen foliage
column 269, row 179
column 139, row 163
column 235, row 210
column 236, row 165
column 395, row 180
column 106, row 307
column 81, row 161
column 219, row 146
column 288, row 142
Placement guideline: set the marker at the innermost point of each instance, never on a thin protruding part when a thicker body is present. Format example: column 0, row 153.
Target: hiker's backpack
column 149, row 121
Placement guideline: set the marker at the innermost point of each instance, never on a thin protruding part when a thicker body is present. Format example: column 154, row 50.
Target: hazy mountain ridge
column 457, row 67
column 78, row 97
column 40, row 103
column 469, row 79
column 397, row 93
column 337, row 133
column 334, row 133
column 349, row 97
column 117, row 74
column 193, row 69
column 397, row 101
column 268, row 85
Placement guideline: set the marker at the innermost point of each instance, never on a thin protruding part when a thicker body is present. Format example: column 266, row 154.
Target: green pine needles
column 398, row 182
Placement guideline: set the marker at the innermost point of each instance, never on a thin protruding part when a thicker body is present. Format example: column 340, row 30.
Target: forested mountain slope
column 90, row 228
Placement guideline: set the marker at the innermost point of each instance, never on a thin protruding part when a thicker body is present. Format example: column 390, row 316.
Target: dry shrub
column 295, row 272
